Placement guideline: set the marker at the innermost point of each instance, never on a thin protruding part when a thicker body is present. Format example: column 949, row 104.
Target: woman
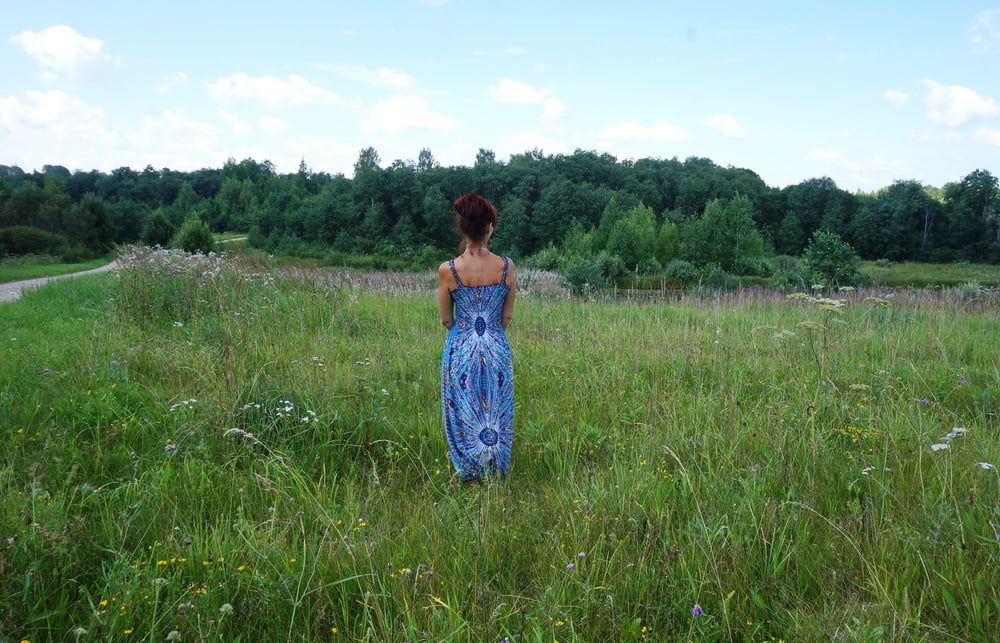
column 477, row 378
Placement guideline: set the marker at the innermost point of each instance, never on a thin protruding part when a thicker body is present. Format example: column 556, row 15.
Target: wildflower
column 925, row 401
column 963, row 381
column 45, row 370
column 867, row 470
column 178, row 324
column 814, row 287
column 940, row 446
column 160, row 582
column 985, row 466
column 226, row 609
column 581, row 554
column 174, row 635
column 79, row 631
column 570, row 565
column 170, row 448
column 697, row 611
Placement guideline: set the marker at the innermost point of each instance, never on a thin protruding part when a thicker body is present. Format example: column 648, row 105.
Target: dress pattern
column 477, row 381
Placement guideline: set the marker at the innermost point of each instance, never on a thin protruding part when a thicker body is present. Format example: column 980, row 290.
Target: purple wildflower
column 925, row 401
column 570, row 565
column 963, row 381
column 697, row 611
column 581, row 554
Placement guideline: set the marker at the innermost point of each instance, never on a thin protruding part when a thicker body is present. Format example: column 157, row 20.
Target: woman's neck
column 472, row 248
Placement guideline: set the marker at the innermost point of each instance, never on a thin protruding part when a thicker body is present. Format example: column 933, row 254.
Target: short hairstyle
column 474, row 214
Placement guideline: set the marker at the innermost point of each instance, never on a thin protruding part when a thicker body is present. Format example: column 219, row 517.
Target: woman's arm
column 444, row 295
column 508, row 304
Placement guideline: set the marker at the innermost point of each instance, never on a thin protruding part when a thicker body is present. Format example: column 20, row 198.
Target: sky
column 863, row 92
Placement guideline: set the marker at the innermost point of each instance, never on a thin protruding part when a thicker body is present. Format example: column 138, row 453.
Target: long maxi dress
column 477, row 381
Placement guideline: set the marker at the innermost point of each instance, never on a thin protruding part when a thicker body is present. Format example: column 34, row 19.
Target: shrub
column 158, row 230
column 649, row 265
column 682, row 271
column 716, row 277
column 427, row 257
column 195, row 236
column 612, row 266
column 831, row 260
column 883, row 263
column 23, row 240
column 547, row 258
column 582, row 274
column 754, row 266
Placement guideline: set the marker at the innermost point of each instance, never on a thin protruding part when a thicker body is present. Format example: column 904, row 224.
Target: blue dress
column 477, row 381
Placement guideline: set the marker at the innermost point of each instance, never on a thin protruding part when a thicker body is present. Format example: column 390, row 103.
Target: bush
column 195, row 236
column 612, row 266
column 24, row 240
column 754, row 266
column 427, row 257
column 682, row 271
column 883, row 263
column 832, row 261
column 158, row 230
column 547, row 258
column 716, row 277
column 582, row 274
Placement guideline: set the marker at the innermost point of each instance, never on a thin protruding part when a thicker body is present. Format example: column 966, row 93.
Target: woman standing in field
column 476, row 301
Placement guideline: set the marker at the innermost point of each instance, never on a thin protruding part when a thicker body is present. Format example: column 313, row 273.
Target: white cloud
column 235, row 123
column 173, row 81
column 377, row 77
column 322, row 153
column 60, row 50
column 990, row 136
column 837, row 159
column 984, row 32
column 633, row 131
column 272, row 125
column 404, row 112
column 54, row 111
column 270, row 91
column 953, row 105
column 725, row 125
column 518, row 142
column 935, row 137
column 896, row 97
column 514, row 91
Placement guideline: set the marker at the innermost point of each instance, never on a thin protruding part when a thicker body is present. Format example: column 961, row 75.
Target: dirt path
column 13, row 289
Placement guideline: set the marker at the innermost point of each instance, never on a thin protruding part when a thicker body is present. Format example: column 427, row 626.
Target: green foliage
column 21, row 240
column 612, row 266
column 633, row 239
column 754, row 266
column 832, row 261
column 682, row 271
column 582, row 273
column 723, row 233
column 548, row 258
column 194, row 236
column 668, row 242
column 158, row 230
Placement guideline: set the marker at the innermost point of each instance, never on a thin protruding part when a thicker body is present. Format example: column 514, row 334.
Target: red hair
column 474, row 214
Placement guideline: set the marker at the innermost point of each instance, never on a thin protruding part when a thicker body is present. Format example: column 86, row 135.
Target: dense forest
column 640, row 215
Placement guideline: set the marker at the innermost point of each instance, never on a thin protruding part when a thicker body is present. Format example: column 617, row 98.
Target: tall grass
column 201, row 447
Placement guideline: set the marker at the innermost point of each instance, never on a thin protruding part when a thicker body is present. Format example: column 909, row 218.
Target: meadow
column 31, row 267
column 213, row 449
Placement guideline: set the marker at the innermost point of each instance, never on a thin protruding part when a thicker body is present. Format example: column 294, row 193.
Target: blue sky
column 863, row 92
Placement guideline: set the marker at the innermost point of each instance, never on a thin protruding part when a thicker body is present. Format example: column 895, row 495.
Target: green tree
column 723, row 233
column 195, row 236
column 634, row 237
column 158, row 230
column 832, row 260
column 668, row 242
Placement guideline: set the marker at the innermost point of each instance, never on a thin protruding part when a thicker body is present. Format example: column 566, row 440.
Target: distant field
column 17, row 269
column 932, row 274
column 222, row 236
column 237, row 456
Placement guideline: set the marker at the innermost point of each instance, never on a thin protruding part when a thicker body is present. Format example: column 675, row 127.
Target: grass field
column 769, row 462
column 16, row 269
column 933, row 274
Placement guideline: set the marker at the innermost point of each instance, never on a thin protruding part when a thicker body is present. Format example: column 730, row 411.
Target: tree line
column 643, row 213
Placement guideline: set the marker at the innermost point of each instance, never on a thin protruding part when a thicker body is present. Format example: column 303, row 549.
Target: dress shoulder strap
column 506, row 263
column 451, row 264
